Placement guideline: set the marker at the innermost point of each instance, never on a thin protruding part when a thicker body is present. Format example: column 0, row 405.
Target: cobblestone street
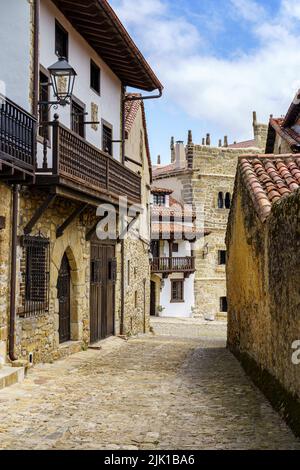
column 147, row 393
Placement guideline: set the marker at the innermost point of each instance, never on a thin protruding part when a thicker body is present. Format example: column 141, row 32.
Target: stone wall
column 40, row 336
column 5, row 244
column 263, row 293
column 213, row 172
column 137, row 287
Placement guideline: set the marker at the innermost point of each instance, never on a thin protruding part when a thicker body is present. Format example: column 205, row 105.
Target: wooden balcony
column 17, row 142
column 167, row 266
column 79, row 166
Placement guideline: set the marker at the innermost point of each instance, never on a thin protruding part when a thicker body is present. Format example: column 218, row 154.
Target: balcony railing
column 17, row 137
column 77, row 160
column 176, row 265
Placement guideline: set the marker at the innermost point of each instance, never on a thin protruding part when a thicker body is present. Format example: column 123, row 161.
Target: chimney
column 203, row 141
column 207, row 139
column 172, row 147
column 220, row 143
column 190, row 150
column 254, row 118
column 190, row 138
column 260, row 132
column 180, row 156
column 225, row 141
column 158, row 160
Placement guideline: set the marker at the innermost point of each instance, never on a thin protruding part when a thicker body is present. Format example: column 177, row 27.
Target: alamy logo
column 296, row 354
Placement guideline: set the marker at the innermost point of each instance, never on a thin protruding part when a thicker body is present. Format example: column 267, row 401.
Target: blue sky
column 219, row 60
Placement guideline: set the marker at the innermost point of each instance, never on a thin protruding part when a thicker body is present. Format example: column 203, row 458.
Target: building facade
column 62, row 273
column 263, row 277
column 203, row 176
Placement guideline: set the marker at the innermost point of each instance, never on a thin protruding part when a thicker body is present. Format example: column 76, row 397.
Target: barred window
column 107, row 145
column 36, row 275
column 159, row 199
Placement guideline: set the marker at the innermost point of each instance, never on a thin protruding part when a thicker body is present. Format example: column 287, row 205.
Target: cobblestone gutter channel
column 147, row 393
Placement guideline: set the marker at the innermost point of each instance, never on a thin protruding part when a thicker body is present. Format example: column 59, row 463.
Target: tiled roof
column 176, row 209
column 288, row 134
column 160, row 170
column 155, row 190
column 270, row 178
column 131, row 110
column 243, row 145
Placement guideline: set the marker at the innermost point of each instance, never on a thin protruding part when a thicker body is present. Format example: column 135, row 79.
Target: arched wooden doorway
column 63, row 294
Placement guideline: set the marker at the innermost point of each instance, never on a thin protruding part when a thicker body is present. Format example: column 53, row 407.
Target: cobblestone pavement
column 148, row 393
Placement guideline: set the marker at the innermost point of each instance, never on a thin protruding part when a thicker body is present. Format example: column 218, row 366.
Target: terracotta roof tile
column 243, row 145
column 155, row 190
column 178, row 229
column 269, row 178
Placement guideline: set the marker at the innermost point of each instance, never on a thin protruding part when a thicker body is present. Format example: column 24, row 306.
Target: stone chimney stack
column 203, row 141
column 190, row 150
column 172, row 147
column 260, row 132
column 208, row 139
column 220, row 143
column 180, row 156
column 158, row 160
column 225, row 141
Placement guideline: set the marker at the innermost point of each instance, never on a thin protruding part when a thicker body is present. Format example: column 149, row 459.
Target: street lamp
column 62, row 80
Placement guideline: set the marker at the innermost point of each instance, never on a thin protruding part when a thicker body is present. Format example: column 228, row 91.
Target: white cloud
column 249, row 9
column 223, row 92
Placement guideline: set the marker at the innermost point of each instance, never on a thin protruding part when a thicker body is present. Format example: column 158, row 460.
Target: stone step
column 11, row 375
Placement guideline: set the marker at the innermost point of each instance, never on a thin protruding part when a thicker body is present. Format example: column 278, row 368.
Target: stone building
column 62, row 273
column 263, row 277
column 203, row 176
column 174, row 234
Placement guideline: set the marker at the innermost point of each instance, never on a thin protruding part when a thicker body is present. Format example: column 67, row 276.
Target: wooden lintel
column 38, row 213
column 69, row 220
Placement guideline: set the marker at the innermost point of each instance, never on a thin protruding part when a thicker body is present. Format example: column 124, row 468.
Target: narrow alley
column 147, row 393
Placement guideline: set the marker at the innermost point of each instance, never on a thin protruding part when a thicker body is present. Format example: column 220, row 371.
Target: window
column 61, row 41
column 107, row 139
column 142, row 146
column 77, row 118
column 159, row 199
column 44, row 110
column 155, row 249
column 95, row 77
column 177, row 291
column 175, row 248
column 222, row 257
column 36, row 275
column 220, row 200
column 228, row 200
column 223, row 304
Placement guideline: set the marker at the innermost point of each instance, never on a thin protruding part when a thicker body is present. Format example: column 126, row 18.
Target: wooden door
column 103, row 275
column 63, row 293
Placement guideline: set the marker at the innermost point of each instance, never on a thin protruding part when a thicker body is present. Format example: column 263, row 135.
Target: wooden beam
column 91, row 231
column 69, row 220
column 38, row 213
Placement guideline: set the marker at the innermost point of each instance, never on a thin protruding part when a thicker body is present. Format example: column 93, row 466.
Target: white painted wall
column 181, row 309
column 80, row 54
column 15, row 47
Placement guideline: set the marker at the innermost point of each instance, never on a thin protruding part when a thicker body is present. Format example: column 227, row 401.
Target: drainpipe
column 36, row 62
column 14, row 237
column 124, row 100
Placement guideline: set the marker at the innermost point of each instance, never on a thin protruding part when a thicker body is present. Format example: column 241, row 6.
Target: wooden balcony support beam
column 38, row 213
column 76, row 213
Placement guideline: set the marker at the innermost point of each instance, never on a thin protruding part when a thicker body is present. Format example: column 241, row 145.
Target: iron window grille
column 228, row 200
column 44, row 97
column 159, row 199
column 77, row 119
column 36, row 275
column 220, row 200
column 96, row 266
column 112, row 270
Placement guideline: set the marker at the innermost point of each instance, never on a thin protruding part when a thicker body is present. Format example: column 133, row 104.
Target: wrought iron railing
column 76, row 159
column 182, row 264
column 17, row 136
